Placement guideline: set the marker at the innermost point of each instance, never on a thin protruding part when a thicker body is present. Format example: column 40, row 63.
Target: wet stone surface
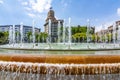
column 29, row 76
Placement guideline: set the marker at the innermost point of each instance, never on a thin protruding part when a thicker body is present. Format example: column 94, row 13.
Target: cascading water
column 13, row 29
column 49, row 22
column 45, row 71
column 114, row 33
column 69, row 35
column 64, row 28
column 21, row 32
column 33, row 31
column 103, row 34
column 59, row 30
column 88, row 29
column 110, row 37
column 118, row 32
column 10, row 35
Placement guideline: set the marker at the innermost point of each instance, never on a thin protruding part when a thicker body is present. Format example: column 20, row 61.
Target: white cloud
column 118, row 11
column 39, row 6
column 36, row 7
column 27, row 8
column 25, row 3
column 1, row 2
column 31, row 15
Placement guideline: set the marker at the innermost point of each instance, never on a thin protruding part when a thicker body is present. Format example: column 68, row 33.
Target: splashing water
column 45, row 71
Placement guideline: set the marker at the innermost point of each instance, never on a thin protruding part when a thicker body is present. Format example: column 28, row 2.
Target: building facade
column 5, row 28
column 26, row 29
column 111, row 34
column 51, row 26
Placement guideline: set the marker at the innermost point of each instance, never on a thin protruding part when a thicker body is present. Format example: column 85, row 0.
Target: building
column 26, row 29
column 52, row 29
column 113, row 31
column 117, row 23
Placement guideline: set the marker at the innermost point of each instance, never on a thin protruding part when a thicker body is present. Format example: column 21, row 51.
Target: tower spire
column 50, row 8
column 51, row 15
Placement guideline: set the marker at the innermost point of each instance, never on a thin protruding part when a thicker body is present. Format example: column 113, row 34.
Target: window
column 3, row 29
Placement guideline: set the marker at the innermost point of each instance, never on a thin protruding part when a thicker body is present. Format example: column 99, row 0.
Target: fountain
column 103, row 34
column 13, row 34
column 69, row 35
column 49, row 31
column 59, row 26
column 118, row 36
column 88, row 31
column 21, row 32
column 10, row 35
column 58, row 66
column 33, row 31
column 62, row 45
column 64, row 29
column 114, row 33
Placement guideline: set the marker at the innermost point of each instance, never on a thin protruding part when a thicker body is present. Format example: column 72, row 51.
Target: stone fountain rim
column 34, row 49
column 61, row 59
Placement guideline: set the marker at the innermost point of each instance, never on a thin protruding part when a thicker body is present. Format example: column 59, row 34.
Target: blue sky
column 100, row 12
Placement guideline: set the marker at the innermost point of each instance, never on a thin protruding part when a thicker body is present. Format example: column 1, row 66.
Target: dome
column 50, row 15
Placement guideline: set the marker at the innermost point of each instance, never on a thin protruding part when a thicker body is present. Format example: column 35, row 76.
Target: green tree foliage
column 17, row 34
column 79, row 37
column 79, row 33
column 109, row 37
column 29, row 36
column 3, row 37
column 78, row 29
column 42, row 37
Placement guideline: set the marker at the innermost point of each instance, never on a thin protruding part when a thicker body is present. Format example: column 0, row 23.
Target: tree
column 17, row 34
column 29, row 35
column 109, row 37
column 93, row 37
column 37, row 37
column 79, row 37
column 42, row 37
column 3, row 37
